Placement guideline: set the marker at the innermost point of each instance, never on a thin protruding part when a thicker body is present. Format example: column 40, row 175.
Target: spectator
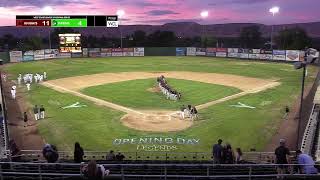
column 50, row 153
column 25, row 119
column 42, row 110
column 306, row 163
column 15, row 151
column 94, row 171
column 238, row 156
column 228, row 155
column 217, row 152
column 110, row 156
column 120, row 157
column 282, row 153
column 78, row 153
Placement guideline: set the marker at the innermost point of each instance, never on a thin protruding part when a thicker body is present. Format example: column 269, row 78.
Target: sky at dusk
column 166, row 11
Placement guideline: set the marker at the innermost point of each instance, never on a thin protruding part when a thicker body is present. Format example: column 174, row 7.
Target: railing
column 165, row 171
column 4, row 130
column 256, row 157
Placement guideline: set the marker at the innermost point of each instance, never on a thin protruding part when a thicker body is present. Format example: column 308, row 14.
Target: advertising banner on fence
column 181, row 51
column 191, row 51
column 292, row 55
column 15, row 56
column 233, row 52
column 138, row 51
column 254, row 53
column 279, row 55
column 211, row 51
column 301, row 57
column 49, row 54
column 28, row 56
column 94, row 52
column 64, row 55
column 266, row 54
column 117, row 52
column 39, row 54
column 85, row 52
column 76, row 54
column 243, row 53
column 106, row 52
column 200, row 51
column 127, row 51
column 221, row 52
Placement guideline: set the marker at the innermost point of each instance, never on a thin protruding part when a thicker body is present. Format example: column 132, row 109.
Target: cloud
column 41, row 3
column 226, row 2
column 161, row 12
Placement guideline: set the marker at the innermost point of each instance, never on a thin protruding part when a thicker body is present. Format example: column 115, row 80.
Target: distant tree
column 208, row 41
column 139, row 37
column 294, row 38
column 162, row 39
column 250, row 37
column 9, row 41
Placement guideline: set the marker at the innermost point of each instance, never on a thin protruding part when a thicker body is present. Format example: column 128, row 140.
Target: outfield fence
column 238, row 53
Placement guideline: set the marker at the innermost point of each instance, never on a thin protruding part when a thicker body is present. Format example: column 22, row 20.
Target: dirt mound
column 155, row 123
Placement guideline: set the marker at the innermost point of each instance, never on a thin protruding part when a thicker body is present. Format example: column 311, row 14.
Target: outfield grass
column 96, row 126
column 135, row 93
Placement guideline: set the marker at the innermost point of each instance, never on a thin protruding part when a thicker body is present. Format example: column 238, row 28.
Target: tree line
column 250, row 37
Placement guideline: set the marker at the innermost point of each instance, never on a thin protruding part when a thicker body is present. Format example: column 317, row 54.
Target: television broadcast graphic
column 70, row 42
column 149, row 89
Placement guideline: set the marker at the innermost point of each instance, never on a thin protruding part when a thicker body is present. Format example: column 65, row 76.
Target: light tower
column 120, row 14
column 204, row 14
column 274, row 10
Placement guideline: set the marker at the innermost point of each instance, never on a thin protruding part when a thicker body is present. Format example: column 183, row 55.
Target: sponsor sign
column 138, row 51
column 15, row 56
column 49, row 53
column 254, row 51
column 85, row 52
column 301, row 57
column 200, row 51
column 292, row 55
column 279, row 55
column 38, row 54
column 254, row 56
column 94, row 52
column 233, row 52
column 243, row 53
column 117, row 52
column 128, row 51
column 221, row 52
column 266, row 54
column 76, row 54
column 180, row 51
column 191, row 51
column 211, row 51
column 28, row 56
column 64, row 55
column 106, row 52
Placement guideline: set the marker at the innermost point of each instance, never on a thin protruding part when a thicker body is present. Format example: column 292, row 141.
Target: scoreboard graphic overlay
column 66, row 21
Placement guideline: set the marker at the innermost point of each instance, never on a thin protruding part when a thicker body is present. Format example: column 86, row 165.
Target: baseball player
column 4, row 77
column 44, row 75
column 19, row 80
column 28, row 86
column 183, row 107
column 13, row 92
column 36, row 113
column 42, row 110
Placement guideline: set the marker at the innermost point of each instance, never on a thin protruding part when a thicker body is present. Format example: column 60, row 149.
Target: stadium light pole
column 204, row 15
column 274, row 10
column 120, row 14
column 48, row 10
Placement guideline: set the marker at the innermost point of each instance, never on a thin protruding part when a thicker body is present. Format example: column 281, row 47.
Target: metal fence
column 163, row 171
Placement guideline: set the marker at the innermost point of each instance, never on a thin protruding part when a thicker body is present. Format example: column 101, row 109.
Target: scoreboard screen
column 66, row 21
column 70, row 42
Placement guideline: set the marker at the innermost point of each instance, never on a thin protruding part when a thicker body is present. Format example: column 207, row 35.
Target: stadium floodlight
column 204, row 14
column 120, row 13
column 274, row 10
column 47, row 10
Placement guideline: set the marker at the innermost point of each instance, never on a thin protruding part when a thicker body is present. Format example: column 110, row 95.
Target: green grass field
column 95, row 127
column 135, row 93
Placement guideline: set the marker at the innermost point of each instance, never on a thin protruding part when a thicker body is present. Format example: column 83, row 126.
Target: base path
column 158, row 121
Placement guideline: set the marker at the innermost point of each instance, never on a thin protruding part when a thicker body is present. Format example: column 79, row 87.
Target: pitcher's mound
column 155, row 123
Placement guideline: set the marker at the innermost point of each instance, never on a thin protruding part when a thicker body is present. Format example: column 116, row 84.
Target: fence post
column 165, row 172
column 250, row 172
column 136, row 155
column 39, row 169
column 122, row 173
column 208, row 173
column 1, row 177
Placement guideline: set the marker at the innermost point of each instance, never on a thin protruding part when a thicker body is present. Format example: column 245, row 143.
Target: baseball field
column 114, row 103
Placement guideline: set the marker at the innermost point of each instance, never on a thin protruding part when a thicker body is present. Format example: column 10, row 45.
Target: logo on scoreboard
column 112, row 21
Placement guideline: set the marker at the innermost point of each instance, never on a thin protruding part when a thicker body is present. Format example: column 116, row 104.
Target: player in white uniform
column 13, row 92
column 28, row 86
column 44, row 75
column 19, row 80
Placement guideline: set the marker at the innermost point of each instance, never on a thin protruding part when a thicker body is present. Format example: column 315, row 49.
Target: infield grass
column 137, row 94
